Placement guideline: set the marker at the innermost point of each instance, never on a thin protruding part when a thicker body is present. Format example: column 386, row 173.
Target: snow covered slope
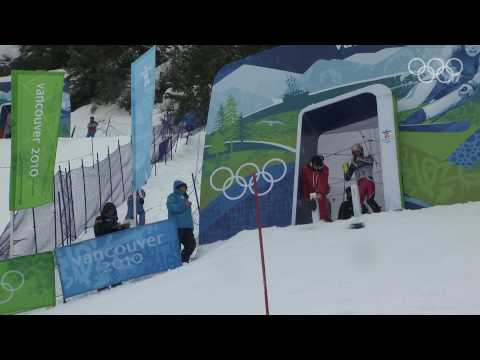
column 111, row 117
column 409, row 262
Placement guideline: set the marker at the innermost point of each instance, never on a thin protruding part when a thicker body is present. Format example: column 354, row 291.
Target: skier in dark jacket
column 107, row 222
column 180, row 211
column 362, row 167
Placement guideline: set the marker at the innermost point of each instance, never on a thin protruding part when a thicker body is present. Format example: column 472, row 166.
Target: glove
column 313, row 205
column 346, row 166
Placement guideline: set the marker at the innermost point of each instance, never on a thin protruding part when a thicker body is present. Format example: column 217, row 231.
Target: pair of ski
column 357, row 209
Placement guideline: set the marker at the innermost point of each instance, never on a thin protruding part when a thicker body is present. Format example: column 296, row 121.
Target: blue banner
column 143, row 98
column 117, row 257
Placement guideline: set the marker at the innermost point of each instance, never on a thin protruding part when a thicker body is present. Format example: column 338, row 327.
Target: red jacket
column 314, row 181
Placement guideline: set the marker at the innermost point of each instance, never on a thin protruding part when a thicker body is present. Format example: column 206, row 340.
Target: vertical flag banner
column 143, row 98
column 36, row 111
column 27, row 283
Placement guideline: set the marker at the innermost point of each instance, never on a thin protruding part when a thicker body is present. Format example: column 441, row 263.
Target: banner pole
column 12, row 216
column 260, row 237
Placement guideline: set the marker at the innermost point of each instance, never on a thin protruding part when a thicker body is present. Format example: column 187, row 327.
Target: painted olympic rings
column 242, row 182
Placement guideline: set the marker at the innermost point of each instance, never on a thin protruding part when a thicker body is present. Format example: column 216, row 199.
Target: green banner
column 27, row 283
column 36, row 110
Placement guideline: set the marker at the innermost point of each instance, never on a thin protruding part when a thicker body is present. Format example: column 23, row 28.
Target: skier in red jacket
column 314, row 179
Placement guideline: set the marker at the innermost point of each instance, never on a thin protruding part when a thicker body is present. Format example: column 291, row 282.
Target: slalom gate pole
column 34, row 231
column 260, row 237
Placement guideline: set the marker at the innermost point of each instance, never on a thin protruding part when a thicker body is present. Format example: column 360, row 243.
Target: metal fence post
column 121, row 169
column 34, row 231
column 110, row 171
column 72, row 201
column 99, row 185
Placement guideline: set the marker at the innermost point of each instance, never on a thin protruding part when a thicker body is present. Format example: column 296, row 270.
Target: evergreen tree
column 217, row 144
column 232, row 120
column 241, row 128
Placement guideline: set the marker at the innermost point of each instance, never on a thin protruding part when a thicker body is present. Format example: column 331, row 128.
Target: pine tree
column 232, row 120
column 241, row 128
column 217, row 144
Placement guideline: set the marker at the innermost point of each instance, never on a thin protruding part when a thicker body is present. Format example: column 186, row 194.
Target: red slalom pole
column 260, row 237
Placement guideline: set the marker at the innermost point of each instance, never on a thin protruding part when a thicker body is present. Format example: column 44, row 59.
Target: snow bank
column 409, row 262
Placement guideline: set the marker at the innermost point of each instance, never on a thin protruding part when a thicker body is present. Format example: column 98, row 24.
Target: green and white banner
column 36, row 110
column 27, row 283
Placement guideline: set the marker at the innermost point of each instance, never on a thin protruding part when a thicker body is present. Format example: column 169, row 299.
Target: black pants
column 187, row 239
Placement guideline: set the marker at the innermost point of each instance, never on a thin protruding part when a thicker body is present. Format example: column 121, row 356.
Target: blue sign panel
column 143, row 99
column 117, row 257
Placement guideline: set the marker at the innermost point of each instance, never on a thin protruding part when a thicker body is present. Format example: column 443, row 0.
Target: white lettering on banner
column 120, row 249
column 38, row 119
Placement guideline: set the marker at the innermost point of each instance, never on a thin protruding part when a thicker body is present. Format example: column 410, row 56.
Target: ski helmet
column 317, row 161
column 357, row 150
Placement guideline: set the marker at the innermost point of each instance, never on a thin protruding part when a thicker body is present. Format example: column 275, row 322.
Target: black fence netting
column 79, row 195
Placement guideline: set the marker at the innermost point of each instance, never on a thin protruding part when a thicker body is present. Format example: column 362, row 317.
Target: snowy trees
column 101, row 73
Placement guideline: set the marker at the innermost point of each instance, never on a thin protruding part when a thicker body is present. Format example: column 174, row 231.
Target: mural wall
column 254, row 114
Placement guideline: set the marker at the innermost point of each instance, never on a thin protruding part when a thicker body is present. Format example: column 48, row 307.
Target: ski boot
column 374, row 206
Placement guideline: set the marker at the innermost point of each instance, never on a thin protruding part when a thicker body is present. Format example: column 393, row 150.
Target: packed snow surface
column 408, row 262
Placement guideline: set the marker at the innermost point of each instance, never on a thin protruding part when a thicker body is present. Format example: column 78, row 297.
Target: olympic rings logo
column 8, row 287
column 242, row 182
column 436, row 69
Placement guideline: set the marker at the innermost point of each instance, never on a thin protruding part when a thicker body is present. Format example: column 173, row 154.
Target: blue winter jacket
column 178, row 210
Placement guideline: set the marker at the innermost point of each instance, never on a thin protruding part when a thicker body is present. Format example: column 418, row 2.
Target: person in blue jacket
column 140, row 208
column 180, row 211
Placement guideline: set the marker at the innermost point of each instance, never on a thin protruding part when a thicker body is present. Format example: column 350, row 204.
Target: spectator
column 314, row 180
column 92, row 127
column 140, row 209
column 180, row 211
column 107, row 222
